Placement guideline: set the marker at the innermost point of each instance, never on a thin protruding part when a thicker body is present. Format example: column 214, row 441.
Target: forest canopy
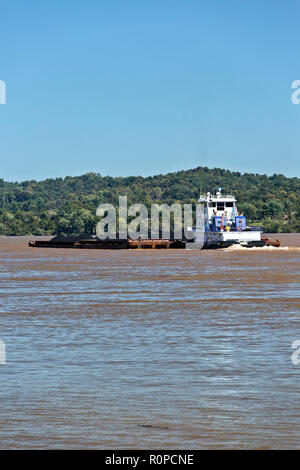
column 68, row 205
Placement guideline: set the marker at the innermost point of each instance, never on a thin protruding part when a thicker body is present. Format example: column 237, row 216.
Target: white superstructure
column 223, row 224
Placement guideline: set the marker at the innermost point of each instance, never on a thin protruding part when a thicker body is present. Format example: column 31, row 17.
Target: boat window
column 220, row 206
column 229, row 204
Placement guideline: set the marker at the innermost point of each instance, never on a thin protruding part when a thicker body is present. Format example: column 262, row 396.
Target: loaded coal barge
column 92, row 242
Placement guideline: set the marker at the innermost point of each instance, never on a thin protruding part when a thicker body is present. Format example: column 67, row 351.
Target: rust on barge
column 269, row 242
column 96, row 243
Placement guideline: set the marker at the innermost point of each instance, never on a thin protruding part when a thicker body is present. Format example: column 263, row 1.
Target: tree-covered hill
column 68, row 205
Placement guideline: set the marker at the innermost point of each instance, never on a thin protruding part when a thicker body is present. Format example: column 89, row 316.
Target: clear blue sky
column 128, row 87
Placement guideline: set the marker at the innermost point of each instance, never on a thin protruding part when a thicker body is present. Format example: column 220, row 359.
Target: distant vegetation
column 68, row 205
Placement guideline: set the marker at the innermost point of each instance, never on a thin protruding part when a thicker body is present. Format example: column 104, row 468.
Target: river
column 149, row 349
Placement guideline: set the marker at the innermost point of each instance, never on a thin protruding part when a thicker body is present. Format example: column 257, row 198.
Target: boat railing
column 255, row 228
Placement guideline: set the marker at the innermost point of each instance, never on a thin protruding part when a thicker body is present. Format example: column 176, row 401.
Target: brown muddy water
column 149, row 349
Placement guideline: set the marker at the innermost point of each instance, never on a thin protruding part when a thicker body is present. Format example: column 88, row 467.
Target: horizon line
column 148, row 176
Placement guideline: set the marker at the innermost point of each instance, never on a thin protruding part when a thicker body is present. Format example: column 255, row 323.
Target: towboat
column 223, row 225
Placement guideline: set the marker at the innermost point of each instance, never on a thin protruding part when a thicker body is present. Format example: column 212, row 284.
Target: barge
column 95, row 243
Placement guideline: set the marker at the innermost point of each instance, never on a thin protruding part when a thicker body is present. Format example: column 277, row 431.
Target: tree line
column 68, row 205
